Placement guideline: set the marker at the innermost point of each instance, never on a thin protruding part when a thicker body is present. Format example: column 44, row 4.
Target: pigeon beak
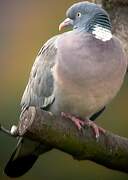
column 66, row 23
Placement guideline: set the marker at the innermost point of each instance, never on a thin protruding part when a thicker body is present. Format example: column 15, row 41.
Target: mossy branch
column 109, row 150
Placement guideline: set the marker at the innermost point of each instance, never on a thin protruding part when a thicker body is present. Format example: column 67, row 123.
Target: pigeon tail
column 24, row 157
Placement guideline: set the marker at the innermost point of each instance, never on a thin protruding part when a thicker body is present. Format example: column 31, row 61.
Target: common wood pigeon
column 75, row 74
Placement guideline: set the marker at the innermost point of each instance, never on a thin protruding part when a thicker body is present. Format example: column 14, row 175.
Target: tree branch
column 110, row 150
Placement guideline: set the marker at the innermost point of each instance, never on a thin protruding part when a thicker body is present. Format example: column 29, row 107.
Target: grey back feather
column 39, row 90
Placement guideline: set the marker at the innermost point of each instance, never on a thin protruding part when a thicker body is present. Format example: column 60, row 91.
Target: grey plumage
column 78, row 72
column 39, row 90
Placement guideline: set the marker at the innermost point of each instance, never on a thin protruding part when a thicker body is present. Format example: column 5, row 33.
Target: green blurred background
column 24, row 26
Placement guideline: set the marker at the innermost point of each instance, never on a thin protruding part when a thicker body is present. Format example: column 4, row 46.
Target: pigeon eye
column 78, row 14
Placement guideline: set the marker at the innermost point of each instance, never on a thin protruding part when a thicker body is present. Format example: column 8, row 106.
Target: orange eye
column 78, row 14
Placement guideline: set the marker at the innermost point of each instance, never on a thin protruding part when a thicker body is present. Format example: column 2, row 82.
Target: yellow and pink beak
column 66, row 23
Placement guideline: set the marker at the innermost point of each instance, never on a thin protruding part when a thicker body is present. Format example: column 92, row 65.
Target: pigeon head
column 86, row 16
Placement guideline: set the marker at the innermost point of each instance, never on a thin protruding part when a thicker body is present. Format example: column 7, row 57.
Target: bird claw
column 81, row 123
column 96, row 129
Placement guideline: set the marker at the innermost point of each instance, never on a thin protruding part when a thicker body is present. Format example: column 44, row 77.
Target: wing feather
column 39, row 90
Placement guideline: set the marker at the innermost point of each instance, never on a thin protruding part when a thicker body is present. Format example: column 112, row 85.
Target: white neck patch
column 101, row 33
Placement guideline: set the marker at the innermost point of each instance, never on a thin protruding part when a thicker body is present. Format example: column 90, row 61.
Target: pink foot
column 96, row 129
column 86, row 122
column 79, row 123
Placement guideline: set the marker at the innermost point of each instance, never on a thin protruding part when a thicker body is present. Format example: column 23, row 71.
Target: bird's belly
column 86, row 100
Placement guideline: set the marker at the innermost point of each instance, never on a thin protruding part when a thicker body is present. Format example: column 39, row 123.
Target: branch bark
column 110, row 150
